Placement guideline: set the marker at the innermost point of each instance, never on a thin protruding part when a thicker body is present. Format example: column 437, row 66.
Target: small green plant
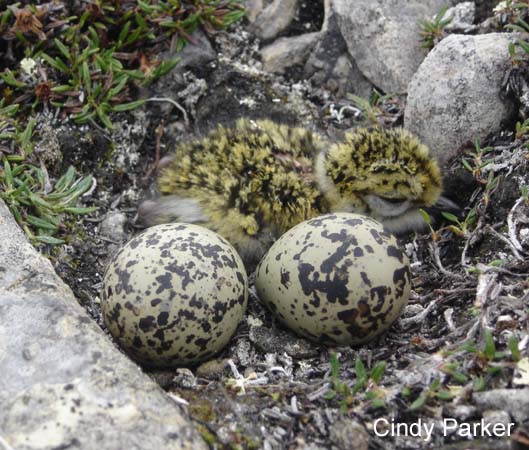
column 522, row 127
column 23, row 187
column 38, row 206
column 366, row 381
column 511, row 13
column 488, row 360
column 432, row 392
column 371, row 107
column 464, row 227
column 488, row 351
column 478, row 162
column 339, row 390
column 471, row 364
column 432, row 31
column 514, row 349
column 88, row 60
column 435, row 235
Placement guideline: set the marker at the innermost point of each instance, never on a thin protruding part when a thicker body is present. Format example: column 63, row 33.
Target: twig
column 484, row 268
column 435, row 250
column 174, row 103
column 486, row 288
column 320, row 392
column 470, row 241
column 512, row 225
column 154, row 165
column 418, row 318
column 449, row 318
column 454, row 291
column 472, row 332
column 502, row 238
column 460, row 330
column 104, row 132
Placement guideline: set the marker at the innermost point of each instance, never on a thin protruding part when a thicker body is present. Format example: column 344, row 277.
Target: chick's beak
column 445, row 205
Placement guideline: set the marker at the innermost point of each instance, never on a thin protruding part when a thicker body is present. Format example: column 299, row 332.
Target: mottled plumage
column 252, row 182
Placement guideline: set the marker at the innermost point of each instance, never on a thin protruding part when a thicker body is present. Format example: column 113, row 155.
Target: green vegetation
column 475, row 366
column 371, row 108
column 366, row 382
column 38, row 207
column 86, row 61
column 474, row 161
column 432, row 31
column 512, row 15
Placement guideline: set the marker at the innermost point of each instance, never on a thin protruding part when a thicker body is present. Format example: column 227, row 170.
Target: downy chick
column 253, row 182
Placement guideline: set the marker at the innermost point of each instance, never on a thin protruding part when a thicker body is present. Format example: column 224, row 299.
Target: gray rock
column 462, row 18
column 497, row 416
column 269, row 21
column 253, row 9
column 463, row 413
column 330, row 66
column 279, row 341
column 196, row 53
column 112, row 230
column 287, row 52
column 113, row 226
column 455, row 95
column 196, row 58
column 514, row 402
column 63, row 383
column 382, row 37
column 349, row 434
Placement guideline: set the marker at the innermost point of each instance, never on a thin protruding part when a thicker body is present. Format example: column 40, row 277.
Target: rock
column 253, row 9
column 287, row 52
column 463, row 413
column 455, row 95
column 213, row 369
column 113, row 226
column 462, row 18
column 382, row 37
column 329, row 64
column 347, row 434
column 242, row 352
column 279, row 341
column 493, row 417
column 270, row 21
column 63, row 382
column 484, row 8
column 196, row 61
column 196, row 54
column 112, row 230
column 514, row 402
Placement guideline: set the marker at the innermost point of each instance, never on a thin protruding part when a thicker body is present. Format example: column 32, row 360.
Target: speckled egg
column 174, row 295
column 336, row 279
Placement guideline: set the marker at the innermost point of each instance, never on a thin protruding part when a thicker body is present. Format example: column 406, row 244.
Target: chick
column 253, row 182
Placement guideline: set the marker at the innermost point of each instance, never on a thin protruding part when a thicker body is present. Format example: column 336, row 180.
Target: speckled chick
column 253, row 182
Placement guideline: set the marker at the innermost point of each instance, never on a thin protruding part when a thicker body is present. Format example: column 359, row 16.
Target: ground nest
column 454, row 354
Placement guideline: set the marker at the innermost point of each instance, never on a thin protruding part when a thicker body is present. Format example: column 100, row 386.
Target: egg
column 336, row 279
column 174, row 295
